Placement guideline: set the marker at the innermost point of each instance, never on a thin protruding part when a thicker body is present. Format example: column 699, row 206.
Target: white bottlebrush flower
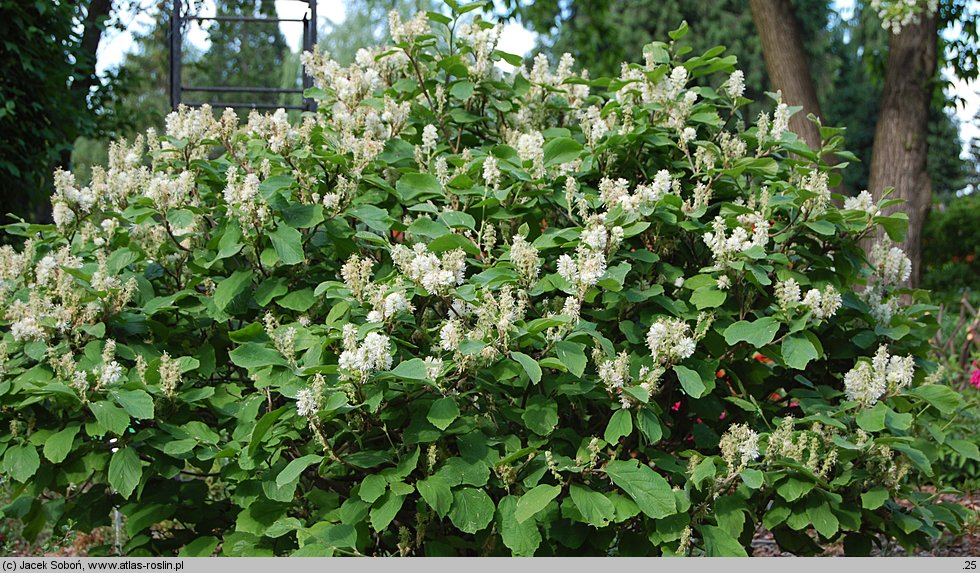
column 491, row 172
column 567, row 268
column 111, row 374
column 735, row 86
column 306, row 403
column 739, row 446
column 430, row 137
column 433, row 368
column 525, row 258
column 780, row 119
column 27, row 329
column 434, row 274
column 530, row 147
column 451, row 335
column 868, row 382
column 883, row 307
column 862, row 202
column 615, row 373
column 595, row 236
column 670, row 340
column 813, row 300
column 830, row 303
column 753, row 232
column 356, row 273
column 170, row 375
column 818, row 183
column 357, row 361
column 787, row 293
column 395, row 303
column 407, row 31
column 891, row 265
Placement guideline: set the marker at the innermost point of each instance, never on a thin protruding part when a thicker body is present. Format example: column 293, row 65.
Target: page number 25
column 970, row 564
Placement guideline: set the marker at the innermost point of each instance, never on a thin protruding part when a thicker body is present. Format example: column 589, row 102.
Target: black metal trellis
column 177, row 89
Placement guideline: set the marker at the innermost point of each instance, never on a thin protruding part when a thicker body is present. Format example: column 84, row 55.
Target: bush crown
column 459, row 311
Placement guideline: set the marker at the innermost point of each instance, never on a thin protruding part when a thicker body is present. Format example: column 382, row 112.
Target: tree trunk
column 88, row 48
column 786, row 63
column 898, row 158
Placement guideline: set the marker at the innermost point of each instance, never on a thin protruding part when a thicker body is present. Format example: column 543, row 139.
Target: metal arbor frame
column 177, row 90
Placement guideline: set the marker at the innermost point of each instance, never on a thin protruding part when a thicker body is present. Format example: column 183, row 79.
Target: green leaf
column 461, row 90
column 872, row 419
column 125, row 471
column 964, row 448
column 231, row 288
column 472, row 510
column 412, row 187
column 253, row 356
column 822, row 227
column 288, row 243
column 21, row 462
column 382, row 515
column 303, row 216
column 411, row 369
column 137, row 403
column 620, row 424
column 58, row 445
column 262, row 428
column 530, row 366
column 443, row 412
column 943, row 398
column 918, row 458
column 719, row 543
column 451, row 242
column 753, row 478
column 458, row 219
column 708, row 297
column 690, row 381
column 649, row 490
column 425, row 227
column 110, row 417
column 758, row 333
column 521, row 537
column 595, row 507
column 534, row 501
column 703, row 471
column 649, row 425
column 874, row 498
column 435, row 491
column 561, row 150
column 341, row 535
column 798, row 351
column 541, row 415
column 572, row 355
column 200, row 547
column 268, row 290
column 680, row 32
column 373, row 217
column 300, row 300
column 794, row 488
column 296, row 467
column 823, row 520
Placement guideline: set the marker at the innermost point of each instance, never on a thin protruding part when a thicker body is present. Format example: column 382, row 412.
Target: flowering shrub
column 458, row 311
